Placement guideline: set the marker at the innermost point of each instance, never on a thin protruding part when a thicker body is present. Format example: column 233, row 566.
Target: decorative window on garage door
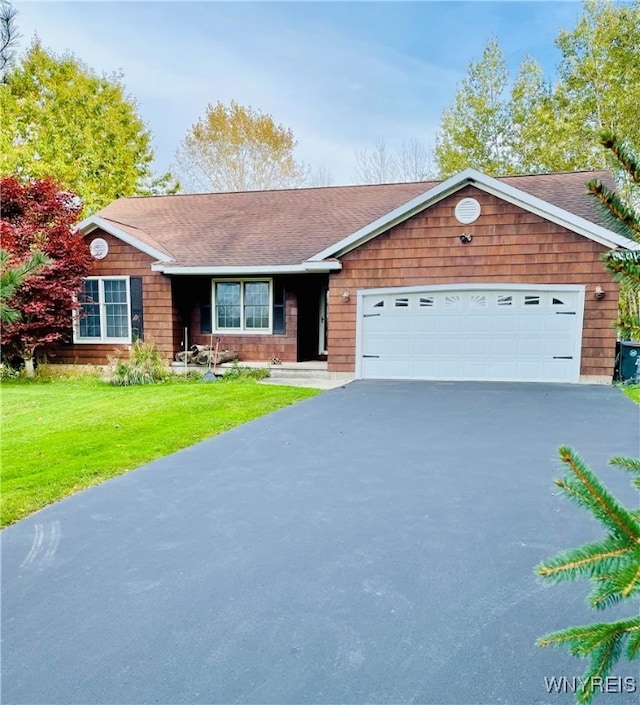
column 478, row 301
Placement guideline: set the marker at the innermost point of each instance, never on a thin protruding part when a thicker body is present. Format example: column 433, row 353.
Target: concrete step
column 312, row 382
column 313, row 374
column 278, row 371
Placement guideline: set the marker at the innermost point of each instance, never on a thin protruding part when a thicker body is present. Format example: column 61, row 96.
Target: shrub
column 237, row 372
column 144, row 365
column 8, row 372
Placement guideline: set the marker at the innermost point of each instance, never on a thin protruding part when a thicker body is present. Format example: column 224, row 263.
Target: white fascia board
column 93, row 222
column 546, row 210
column 490, row 185
column 304, row 268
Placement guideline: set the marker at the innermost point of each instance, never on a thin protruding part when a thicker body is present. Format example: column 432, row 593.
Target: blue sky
column 340, row 74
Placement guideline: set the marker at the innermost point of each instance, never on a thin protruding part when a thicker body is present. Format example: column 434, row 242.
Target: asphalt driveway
column 374, row 544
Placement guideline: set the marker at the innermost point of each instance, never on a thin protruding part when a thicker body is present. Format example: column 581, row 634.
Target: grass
column 632, row 391
column 64, row 435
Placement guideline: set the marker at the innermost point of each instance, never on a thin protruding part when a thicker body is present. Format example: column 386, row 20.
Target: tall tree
column 411, row 161
column 238, row 148
column 534, row 123
column 320, row 176
column 528, row 125
column 599, row 77
column 38, row 216
column 474, row 131
column 9, row 36
column 61, row 119
column 414, row 160
column 376, row 166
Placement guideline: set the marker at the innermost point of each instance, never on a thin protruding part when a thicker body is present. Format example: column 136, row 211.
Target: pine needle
column 601, row 502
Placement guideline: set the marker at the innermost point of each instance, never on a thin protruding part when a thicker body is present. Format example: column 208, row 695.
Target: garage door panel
column 425, row 345
column 449, row 323
column 531, row 323
column 503, row 334
column 504, row 347
column 474, row 347
column 561, row 323
column 477, row 324
column 505, row 324
column 528, row 347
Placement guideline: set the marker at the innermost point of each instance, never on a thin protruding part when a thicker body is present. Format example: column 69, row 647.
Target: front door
column 312, row 318
column 322, row 323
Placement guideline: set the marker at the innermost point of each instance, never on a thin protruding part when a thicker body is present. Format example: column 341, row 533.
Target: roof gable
column 131, row 235
column 499, row 188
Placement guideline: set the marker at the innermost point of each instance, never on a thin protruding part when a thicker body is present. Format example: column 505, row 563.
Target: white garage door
column 472, row 333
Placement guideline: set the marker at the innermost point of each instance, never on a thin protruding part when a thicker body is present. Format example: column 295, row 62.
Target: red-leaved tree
column 39, row 216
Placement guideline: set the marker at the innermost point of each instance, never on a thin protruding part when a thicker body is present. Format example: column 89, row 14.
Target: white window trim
column 103, row 340
column 242, row 330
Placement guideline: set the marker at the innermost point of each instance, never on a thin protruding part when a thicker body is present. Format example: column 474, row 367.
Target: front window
column 104, row 315
column 243, row 306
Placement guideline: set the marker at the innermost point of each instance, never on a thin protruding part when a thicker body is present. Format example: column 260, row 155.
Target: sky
column 341, row 75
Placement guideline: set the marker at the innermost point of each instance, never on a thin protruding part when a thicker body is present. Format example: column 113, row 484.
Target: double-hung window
column 105, row 311
column 243, row 306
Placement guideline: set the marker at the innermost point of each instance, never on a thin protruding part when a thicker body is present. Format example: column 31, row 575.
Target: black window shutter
column 137, row 323
column 279, row 308
column 205, row 319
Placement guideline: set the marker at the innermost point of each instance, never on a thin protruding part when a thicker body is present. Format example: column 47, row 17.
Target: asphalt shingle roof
column 289, row 226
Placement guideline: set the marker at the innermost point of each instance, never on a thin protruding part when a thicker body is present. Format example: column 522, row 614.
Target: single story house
column 472, row 278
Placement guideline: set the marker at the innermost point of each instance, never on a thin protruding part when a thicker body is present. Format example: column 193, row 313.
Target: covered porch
column 266, row 320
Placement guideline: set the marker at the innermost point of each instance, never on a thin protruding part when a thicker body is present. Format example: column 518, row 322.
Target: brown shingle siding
column 509, row 246
column 125, row 260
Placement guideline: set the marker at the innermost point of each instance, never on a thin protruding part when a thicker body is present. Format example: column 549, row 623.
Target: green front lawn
column 633, row 392
column 61, row 436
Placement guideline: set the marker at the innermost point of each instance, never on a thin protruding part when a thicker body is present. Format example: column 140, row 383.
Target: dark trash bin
column 629, row 361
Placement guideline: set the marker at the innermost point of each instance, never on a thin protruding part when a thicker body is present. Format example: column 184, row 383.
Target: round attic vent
column 467, row 210
column 99, row 248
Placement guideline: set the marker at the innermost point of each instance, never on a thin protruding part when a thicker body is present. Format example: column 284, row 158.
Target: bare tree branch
column 9, row 37
column 415, row 161
column 411, row 162
column 320, row 176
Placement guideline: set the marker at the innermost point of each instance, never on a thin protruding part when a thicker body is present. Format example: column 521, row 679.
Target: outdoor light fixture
column 346, row 296
column 465, row 239
column 599, row 292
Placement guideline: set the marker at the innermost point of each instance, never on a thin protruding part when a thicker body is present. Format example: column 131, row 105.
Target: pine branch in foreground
column 620, row 215
column 609, row 140
column 612, row 565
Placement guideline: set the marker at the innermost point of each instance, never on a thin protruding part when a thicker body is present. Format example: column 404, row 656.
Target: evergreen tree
column 12, row 275
column 613, row 564
column 624, row 218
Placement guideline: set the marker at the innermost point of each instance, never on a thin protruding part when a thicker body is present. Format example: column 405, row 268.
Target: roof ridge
column 278, row 190
column 554, row 173
column 358, row 186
